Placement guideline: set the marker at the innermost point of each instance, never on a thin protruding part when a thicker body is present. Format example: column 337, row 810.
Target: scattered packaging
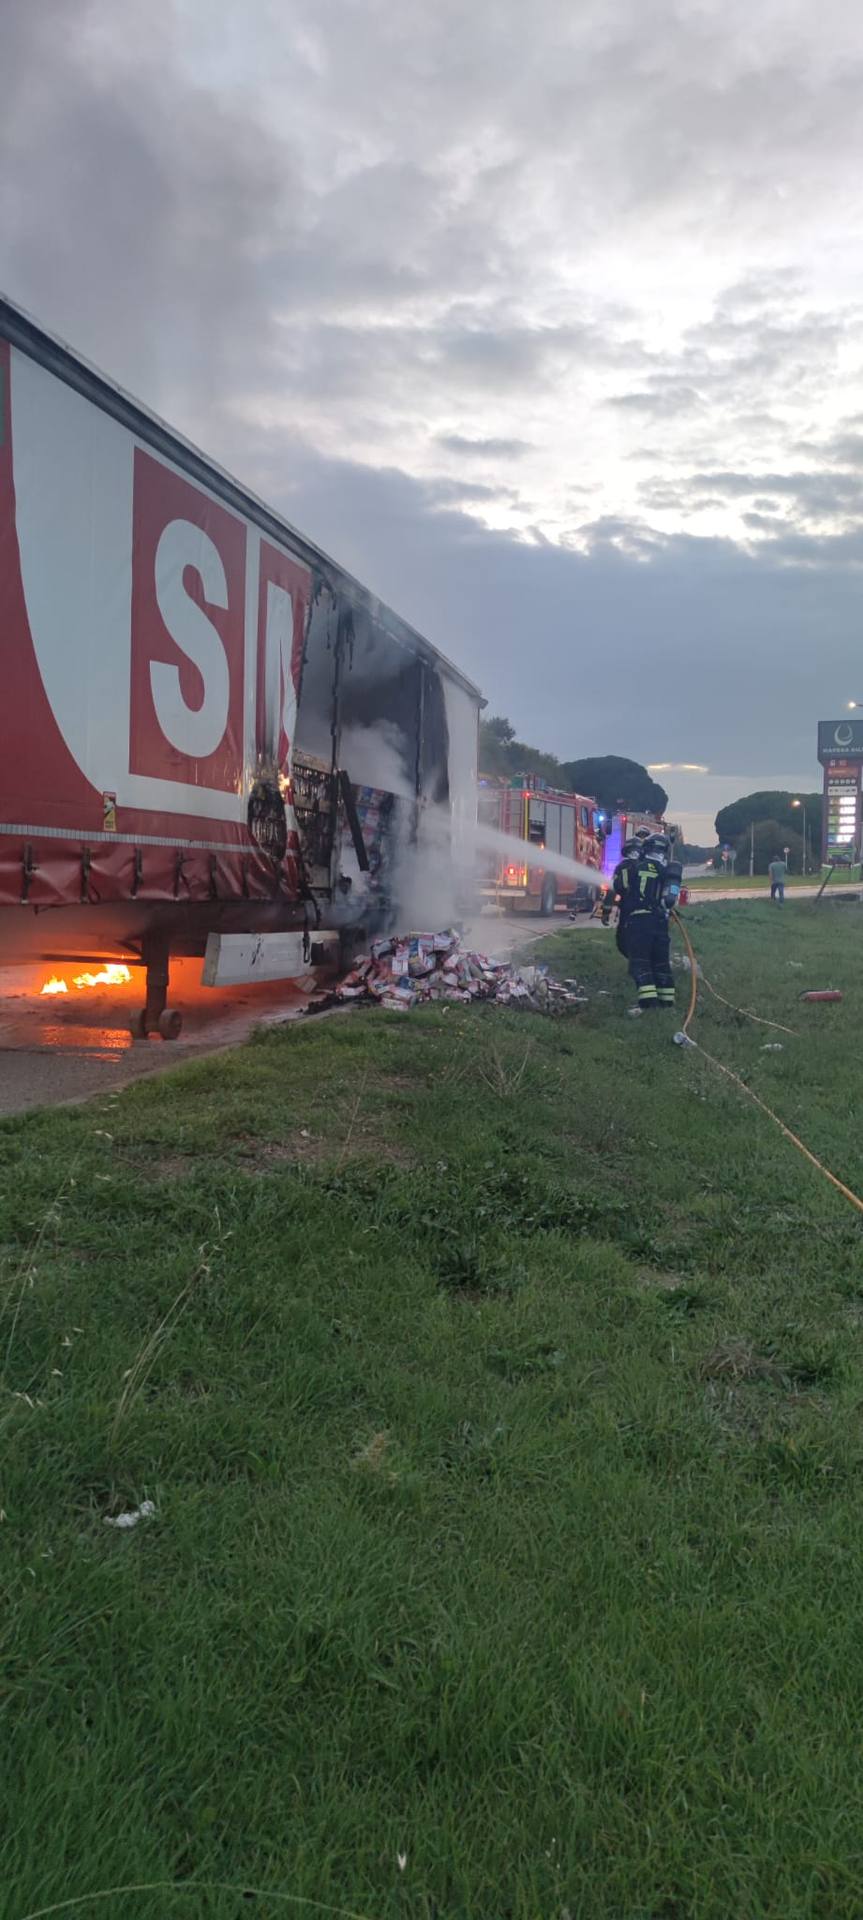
column 126, row 1520
column 402, row 970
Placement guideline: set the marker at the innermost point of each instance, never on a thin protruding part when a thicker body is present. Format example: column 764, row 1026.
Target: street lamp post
column 802, row 805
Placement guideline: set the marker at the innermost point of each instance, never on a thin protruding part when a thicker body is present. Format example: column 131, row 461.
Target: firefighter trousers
column 648, row 950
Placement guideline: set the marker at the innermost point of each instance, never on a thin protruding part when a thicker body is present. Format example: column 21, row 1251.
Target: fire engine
column 544, row 818
column 621, row 827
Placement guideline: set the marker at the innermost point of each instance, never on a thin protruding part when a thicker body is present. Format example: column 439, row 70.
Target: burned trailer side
column 209, row 728
column 385, row 742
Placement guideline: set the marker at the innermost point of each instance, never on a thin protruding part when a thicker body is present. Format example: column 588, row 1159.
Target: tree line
column 617, row 784
column 766, row 822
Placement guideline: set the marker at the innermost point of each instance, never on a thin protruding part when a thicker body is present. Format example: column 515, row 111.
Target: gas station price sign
column 842, row 795
column 840, row 751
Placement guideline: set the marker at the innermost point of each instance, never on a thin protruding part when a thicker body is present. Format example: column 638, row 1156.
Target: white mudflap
column 234, row 959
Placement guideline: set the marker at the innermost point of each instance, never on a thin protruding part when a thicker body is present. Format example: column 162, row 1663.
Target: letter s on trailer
column 207, row 727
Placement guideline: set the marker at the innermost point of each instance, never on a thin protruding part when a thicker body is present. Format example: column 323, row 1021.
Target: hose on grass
column 744, row 1012
column 846, row 1192
column 747, row 1015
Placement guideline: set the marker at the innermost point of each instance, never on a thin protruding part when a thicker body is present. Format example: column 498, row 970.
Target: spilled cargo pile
column 401, row 972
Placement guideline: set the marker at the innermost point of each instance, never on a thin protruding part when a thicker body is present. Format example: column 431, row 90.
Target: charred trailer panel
column 398, row 728
column 207, row 725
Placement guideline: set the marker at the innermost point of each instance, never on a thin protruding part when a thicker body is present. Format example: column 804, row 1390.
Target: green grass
column 504, row 1431
column 759, row 882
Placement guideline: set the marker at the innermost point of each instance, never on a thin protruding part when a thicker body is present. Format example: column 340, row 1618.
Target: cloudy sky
column 546, row 321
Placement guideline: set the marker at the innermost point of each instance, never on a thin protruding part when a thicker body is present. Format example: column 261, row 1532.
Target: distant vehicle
column 621, row 828
column 543, row 818
column 208, row 729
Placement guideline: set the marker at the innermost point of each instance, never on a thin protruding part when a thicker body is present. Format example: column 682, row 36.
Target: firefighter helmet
column 658, row 846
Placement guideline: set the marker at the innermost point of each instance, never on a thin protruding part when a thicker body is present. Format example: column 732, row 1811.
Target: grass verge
column 497, row 1384
column 759, row 882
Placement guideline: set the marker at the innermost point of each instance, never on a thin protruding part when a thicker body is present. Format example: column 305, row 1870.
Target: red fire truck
column 544, row 819
column 622, row 827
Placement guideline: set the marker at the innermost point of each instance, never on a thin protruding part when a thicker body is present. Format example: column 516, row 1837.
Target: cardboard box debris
column 413, row 969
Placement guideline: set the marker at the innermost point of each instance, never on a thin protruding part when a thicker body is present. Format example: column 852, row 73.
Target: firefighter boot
column 639, row 946
column 660, row 959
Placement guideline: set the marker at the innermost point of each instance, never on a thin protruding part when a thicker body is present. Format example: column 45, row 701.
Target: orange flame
column 111, row 975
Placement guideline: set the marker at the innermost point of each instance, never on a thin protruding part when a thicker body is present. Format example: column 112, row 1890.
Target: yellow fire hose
column 756, row 1099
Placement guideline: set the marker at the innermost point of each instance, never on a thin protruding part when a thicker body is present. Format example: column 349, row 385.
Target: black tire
column 170, row 1024
column 548, row 900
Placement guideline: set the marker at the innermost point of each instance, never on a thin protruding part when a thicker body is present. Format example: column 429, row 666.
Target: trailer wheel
column 548, row 901
column 138, row 1026
column 170, row 1024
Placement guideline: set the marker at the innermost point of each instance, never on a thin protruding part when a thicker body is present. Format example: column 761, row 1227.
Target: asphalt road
column 69, row 1048
column 73, row 1047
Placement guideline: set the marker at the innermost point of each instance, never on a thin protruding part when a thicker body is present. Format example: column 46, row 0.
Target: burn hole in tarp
column 383, row 706
column 316, row 707
column 391, row 714
column 382, row 702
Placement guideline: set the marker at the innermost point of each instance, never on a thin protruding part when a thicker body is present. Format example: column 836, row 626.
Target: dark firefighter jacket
column 636, row 887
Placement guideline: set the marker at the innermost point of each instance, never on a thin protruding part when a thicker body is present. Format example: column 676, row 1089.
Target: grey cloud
column 847, row 448
column 142, row 219
column 662, row 399
column 371, row 224
column 817, row 493
column 413, row 368
column 739, row 618
column 762, row 344
column 486, row 449
column 730, row 368
column 626, row 536
column 762, row 291
column 376, row 262
column 444, row 492
column 769, row 523
column 819, row 551
column 826, row 494
column 502, row 355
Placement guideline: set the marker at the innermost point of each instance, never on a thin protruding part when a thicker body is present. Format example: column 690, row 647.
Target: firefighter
column 619, row 890
column 645, row 886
